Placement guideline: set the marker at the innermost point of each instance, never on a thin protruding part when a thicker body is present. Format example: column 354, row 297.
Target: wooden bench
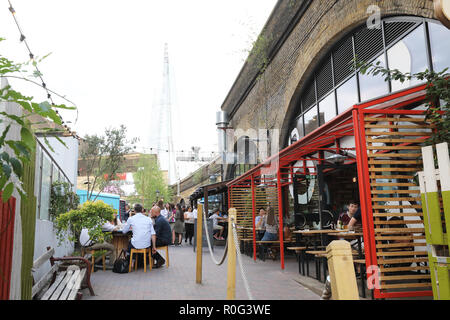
column 362, row 274
column 300, row 253
column 59, row 284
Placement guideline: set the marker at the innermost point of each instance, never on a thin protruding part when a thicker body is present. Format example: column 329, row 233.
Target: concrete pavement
column 177, row 282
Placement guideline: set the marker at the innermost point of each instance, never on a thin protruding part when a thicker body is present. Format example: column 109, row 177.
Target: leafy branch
column 437, row 93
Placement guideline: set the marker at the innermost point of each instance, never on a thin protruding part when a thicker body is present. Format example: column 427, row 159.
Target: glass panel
column 45, row 188
column 347, row 95
column 300, row 127
column 327, row 108
column 408, row 55
column 440, row 46
column 311, row 121
column 373, row 86
column 55, row 174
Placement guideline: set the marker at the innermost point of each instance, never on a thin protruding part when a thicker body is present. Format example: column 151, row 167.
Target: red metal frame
column 7, row 218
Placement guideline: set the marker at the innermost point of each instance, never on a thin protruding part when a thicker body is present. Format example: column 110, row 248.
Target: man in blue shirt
column 163, row 234
column 143, row 231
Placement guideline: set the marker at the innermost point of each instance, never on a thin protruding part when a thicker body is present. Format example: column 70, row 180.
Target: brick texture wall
column 270, row 100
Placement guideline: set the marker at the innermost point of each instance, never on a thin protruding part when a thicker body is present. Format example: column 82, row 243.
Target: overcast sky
column 107, row 57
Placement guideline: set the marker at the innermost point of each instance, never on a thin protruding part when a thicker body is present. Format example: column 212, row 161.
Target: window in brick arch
column 311, row 120
column 342, row 60
column 327, row 108
column 440, row 46
column 409, row 55
column 368, row 43
column 324, row 78
column 309, row 95
column 396, row 29
column 373, row 86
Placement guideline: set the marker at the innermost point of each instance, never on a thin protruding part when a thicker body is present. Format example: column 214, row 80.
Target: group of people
column 179, row 217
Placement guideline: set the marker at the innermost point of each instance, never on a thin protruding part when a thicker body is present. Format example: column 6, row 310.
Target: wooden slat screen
column 393, row 143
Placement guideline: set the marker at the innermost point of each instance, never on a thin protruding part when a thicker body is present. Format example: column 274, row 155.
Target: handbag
column 121, row 264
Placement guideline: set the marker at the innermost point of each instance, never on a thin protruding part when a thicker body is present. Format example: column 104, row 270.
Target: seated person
column 271, row 223
column 89, row 244
column 163, row 235
column 260, row 224
column 271, row 233
column 143, row 231
column 355, row 221
column 215, row 216
column 346, row 216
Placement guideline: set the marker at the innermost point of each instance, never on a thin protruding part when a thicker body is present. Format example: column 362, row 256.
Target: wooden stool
column 91, row 252
column 160, row 248
column 144, row 251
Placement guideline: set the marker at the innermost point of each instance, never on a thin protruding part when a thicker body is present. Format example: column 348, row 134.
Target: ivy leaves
column 17, row 140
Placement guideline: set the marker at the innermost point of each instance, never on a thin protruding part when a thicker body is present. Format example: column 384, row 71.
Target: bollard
column 199, row 243
column 231, row 273
column 342, row 272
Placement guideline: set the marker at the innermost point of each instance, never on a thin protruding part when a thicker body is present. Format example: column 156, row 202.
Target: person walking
column 189, row 225
column 179, row 225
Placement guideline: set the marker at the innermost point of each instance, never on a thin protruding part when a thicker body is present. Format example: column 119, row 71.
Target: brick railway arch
column 336, row 22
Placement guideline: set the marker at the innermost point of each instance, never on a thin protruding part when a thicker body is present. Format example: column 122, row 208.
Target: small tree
column 90, row 215
column 104, row 157
column 438, row 94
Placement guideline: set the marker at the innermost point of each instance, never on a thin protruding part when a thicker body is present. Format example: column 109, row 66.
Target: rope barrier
column 241, row 267
column 209, row 244
column 238, row 250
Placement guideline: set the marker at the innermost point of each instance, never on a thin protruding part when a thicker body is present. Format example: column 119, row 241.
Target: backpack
column 121, row 264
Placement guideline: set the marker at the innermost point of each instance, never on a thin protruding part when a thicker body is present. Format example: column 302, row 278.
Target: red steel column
column 280, row 217
column 253, row 217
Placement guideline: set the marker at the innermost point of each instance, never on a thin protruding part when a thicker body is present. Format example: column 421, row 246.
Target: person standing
column 179, row 225
column 165, row 211
column 189, row 224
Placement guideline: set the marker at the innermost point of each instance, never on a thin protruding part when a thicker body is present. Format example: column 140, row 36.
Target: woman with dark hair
column 271, row 223
column 179, row 225
column 271, row 233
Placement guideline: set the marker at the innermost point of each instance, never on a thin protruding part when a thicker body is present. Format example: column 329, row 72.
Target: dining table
column 349, row 235
column 120, row 240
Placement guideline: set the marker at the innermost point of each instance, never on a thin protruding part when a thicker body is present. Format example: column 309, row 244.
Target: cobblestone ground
column 177, row 282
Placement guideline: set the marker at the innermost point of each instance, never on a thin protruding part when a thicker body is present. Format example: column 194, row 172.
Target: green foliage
column 105, row 156
column 62, row 199
column 438, row 94
column 90, row 215
column 147, row 180
column 259, row 53
column 12, row 161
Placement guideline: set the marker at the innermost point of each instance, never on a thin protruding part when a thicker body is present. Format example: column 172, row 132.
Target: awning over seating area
column 388, row 133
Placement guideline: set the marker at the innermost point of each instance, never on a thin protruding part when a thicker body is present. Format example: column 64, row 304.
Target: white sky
column 107, row 57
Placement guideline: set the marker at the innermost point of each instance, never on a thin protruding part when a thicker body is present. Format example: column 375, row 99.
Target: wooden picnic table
column 349, row 235
column 120, row 241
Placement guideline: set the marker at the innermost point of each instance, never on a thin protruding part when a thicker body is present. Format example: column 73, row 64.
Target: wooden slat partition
column 393, row 142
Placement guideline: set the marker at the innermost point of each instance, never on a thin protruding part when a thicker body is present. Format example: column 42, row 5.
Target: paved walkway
column 266, row 279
